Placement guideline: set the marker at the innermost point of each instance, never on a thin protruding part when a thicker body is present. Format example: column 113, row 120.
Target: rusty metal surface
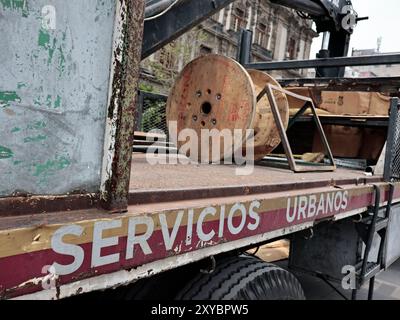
column 160, row 183
column 269, row 90
column 168, row 183
column 122, row 107
column 59, row 217
column 28, row 204
column 387, row 85
column 175, row 200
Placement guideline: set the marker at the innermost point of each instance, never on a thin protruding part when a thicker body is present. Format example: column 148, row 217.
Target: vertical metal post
column 371, row 288
column 339, row 43
column 244, row 47
column 354, row 294
column 371, row 231
column 325, row 41
column 394, row 109
column 334, row 45
column 128, row 36
column 139, row 111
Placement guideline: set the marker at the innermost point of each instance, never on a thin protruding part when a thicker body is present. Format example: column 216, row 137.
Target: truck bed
column 182, row 215
column 173, row 182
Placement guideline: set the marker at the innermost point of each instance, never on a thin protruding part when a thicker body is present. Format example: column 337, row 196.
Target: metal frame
column 326, row 62
column 184, row 16
column 268, row 90
column 128, row 34
column 389, row 156
column 368, row 228
column 356, row 122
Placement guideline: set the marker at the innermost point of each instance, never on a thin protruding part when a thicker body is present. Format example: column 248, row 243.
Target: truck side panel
column 55, row 61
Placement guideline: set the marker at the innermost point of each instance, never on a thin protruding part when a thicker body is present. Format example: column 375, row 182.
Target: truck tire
column 243, row 278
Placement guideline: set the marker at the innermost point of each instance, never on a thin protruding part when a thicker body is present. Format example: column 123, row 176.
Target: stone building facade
column 279, row 33
column 389, row 70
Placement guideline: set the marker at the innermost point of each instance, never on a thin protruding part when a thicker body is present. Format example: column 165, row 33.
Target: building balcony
column 261, row 51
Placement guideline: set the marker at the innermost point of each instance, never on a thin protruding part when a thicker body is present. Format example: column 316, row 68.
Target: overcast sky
column 384, row 21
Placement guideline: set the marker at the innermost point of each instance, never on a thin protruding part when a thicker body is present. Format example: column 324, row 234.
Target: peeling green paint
column 8, row 96
column 17, row 5
column 37, row 125
column 45, row 42
column 51, row 52
column 21, row 85
column 15, row 130
column 57, row 103
column 44, row 38
column 5, row 153
column 35, row 139
column 49, row 102
column 62, row 61
column 51, row 166
column 37, row 102
column 16, row 163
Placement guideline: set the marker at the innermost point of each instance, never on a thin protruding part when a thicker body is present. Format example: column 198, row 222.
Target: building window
column 292, row 50
column 167, row 59
column 239, row 20
column 261, row 34
column 204, row 50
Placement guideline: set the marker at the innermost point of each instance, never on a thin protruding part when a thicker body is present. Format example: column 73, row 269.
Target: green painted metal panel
column 55, row 59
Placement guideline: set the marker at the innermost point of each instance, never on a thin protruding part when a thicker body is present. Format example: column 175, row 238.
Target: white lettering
column 99, row 242
column 205, row 236
column 169, row 239
column 221, row 222
column 321, row 205
column 345, row 200
column 236, row 230
column 254, row 215
column 329, row 202
column 59, row 246
column 189, row 228
column 312, row 208
column 290, row 218
column 302, row 208
column 338, row 201
column 140, row 240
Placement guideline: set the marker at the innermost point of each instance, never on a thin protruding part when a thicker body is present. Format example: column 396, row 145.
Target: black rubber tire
column 244, row 278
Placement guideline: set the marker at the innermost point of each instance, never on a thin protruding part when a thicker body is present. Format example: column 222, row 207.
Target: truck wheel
column 243, row 278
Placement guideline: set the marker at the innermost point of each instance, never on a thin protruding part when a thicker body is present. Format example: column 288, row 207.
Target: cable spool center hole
column 206, row 108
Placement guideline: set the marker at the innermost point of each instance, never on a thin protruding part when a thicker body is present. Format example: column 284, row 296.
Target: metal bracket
column 304, row 167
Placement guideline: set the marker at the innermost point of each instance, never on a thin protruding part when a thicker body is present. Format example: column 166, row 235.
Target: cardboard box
column 346, row 103
column 296, row 103
column 345, row 142
column 379, row 104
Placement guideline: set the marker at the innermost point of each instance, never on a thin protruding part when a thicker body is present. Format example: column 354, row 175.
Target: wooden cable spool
column 216, row 92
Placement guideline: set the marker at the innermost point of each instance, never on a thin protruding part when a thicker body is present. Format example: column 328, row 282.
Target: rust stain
column 124, row 91
column 27, row 204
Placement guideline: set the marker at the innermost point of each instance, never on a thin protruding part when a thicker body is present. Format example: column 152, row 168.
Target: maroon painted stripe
column 20, row 268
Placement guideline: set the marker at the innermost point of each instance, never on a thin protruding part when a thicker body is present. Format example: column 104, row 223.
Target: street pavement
column 387, row 287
